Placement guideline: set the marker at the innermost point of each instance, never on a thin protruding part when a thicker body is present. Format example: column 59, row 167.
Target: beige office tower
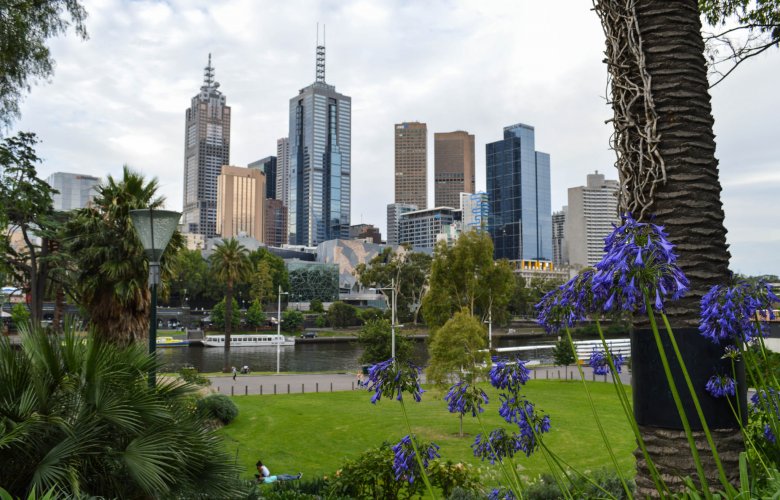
column 453, row 167
column 411, row 164
column 592, row 211
column 241, row 203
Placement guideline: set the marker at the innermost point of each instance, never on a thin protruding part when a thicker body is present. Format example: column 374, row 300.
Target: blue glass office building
column 518, row 186
column 320, row 163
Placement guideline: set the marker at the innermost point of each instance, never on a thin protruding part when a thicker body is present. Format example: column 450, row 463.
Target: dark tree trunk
column 228, row 324
column 665, row 146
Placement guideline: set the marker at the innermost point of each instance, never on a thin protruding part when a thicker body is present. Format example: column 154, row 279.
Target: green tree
column 563, row 354
column 20, row 315
column 376, row 339
column 111, row 269
column 410, row 271
column 465, row 275
column 191, row 277
column 262, row 282
column 276, row 266
column 454, row 348
column 78, row 415
column 230, row 265
column 26, row 27
column 292, row 320
column 342, row 315
column 218, row 315
column 315, row 306
column 255, row 316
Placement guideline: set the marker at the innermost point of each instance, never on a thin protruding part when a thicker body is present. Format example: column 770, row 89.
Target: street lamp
column 154, row 228
column 279, row 324
column 392, row 315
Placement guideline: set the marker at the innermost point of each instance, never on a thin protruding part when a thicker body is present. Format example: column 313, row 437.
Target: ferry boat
column 248, row 340
column 172, row 342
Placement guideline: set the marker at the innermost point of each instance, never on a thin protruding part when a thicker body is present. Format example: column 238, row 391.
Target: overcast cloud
column 120, row 97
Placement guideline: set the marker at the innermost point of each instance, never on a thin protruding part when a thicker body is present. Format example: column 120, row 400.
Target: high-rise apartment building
column 453, row 167
column 559, row 244
column 365, row 232
column 241, row 203
column 475, row 209
column 75, row 190
column 206, row 150
column 422, row 228
column 275, row 223
column 411, row 164
column 518, row 185
column 394, row 213
column 268, row 166
column 592, row 211
column 283, row 171
column 320, row 162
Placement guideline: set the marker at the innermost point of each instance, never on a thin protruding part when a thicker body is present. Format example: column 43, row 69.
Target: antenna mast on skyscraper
column 208, row 74
column 320, row 72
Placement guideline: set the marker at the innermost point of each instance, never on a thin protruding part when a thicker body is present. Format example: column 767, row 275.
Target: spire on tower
column 208, row 74
column 320, row 70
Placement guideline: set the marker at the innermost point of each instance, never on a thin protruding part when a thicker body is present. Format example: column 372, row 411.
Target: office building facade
column 283, row 171
column 268, row 166
column 453, row 167
column 320, row 162
column 275, row 223
column 475, row 210
column 421, row 228
column 411, row 164
column 592, row 211
column 75, row 190
column 367, row 232
column 518, row 186
column 559, row 245
column 206, row 150
column 394, row 212
column 241, row 203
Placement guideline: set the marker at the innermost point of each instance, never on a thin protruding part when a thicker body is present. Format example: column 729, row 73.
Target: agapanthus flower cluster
column 638, row 260
column 721, row 386
column 766, row 405
column 501, row 494
column 600, row 363
column 464, row 398
column 568, row 304
column 530, row 423
column 391, row 379
column 728, row 313
column 405, row 461
column 509, row 375
column 769, row 435
column 497, row 445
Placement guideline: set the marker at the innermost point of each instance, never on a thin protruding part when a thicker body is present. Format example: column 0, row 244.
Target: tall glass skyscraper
column 206, row 150
column 518, row 185
column 320, row 162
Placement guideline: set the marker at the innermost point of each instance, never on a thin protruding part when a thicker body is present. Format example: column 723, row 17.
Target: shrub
column 315, row 306
column 563, row 354
column 20, row 315
column 371, row 314
column 292, row 320
column 545, row 487
column 219, row 407
column 341, row 315
column 191, row 375
column 371, row 476
column 451, row 476
column 320, row 322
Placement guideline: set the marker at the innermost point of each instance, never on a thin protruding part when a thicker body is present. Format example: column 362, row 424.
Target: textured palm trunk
column 671, row 74
column 121, row 324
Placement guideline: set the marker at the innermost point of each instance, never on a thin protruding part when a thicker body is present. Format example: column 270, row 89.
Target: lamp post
column 154, row 228
column 279, row 324
column 392, row 315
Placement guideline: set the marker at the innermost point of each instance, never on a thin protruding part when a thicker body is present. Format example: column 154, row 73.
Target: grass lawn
column 316, row 433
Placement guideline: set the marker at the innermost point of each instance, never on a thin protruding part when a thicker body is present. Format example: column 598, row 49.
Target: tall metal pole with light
column 154, row 229
column 279, row 324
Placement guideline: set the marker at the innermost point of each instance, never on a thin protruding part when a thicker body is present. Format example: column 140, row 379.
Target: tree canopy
column 455, row 347
column 376, row 339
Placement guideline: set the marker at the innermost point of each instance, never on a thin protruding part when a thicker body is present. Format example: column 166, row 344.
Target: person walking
column 235, row 372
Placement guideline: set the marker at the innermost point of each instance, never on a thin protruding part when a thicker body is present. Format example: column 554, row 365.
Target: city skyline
column 436, row 64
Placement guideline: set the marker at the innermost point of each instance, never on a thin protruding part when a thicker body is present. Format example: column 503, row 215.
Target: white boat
column 248, row 340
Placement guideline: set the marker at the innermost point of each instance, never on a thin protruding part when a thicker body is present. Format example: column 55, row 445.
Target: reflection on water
column 308, row 357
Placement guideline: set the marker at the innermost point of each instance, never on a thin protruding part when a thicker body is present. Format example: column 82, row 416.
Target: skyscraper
column 241, row 202
column 268, row 166
column 518, row 185
column 206, row 150
column 411, row 164
column 283, row 171
column 75, row 190
column 560, row 247
column 592, row 211
column 320, row 161
column 453, row 167
column 474, row 207
column 394, row 213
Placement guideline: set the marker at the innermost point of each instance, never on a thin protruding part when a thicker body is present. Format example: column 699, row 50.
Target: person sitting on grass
column 278, row 477
column 262, row 470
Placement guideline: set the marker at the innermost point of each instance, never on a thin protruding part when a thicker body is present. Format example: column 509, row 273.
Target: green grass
column 316, row 433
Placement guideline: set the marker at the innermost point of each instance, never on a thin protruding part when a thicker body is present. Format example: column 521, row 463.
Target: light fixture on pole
column 392, row 315
column 279, row 325
column 154, row 228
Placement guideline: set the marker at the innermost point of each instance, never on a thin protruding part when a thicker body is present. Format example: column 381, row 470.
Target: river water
column 303, row 357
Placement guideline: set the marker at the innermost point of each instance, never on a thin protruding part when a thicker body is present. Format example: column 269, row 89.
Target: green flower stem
column 417, row 452
column 762, row 348
column 514, row 480
column 580, row 474
column 765, row 404
column 660, row 486
column 547, row 458
column 746, row 436
column 676, row 397
column 596, row 416
column 721, row 473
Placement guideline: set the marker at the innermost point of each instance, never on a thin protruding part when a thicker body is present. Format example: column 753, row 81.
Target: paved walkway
column 327, row 382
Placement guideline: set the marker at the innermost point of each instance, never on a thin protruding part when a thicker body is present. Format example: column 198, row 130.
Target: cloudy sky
column 120, row 97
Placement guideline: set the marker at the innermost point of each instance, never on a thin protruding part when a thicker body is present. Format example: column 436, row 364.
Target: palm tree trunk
column 228, row 323
column 665, row 149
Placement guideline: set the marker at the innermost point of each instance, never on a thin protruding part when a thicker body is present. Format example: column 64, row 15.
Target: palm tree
column 666, row 157
column 230, row 264
column 112, row 271
column 77, row 415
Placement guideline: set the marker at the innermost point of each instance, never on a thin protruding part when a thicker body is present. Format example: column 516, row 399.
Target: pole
column 278, row 325
column 392, row 321
column 490, row 328
column 154, row 278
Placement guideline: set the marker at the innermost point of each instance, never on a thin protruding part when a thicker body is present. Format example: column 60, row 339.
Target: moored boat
column 249, row 340
column 172, row 342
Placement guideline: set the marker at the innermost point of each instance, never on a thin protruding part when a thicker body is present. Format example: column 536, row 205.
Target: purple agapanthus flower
column 530, row 423
column 405, row 461
column 728, row 313
column 568, row 304
column 391, row 379
column 463, row 398
column 600, row 363
column 497, row 445
column 509, row 375
column 501, row 494
column 639, row 261
column 767, row 401
column 721, row 386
